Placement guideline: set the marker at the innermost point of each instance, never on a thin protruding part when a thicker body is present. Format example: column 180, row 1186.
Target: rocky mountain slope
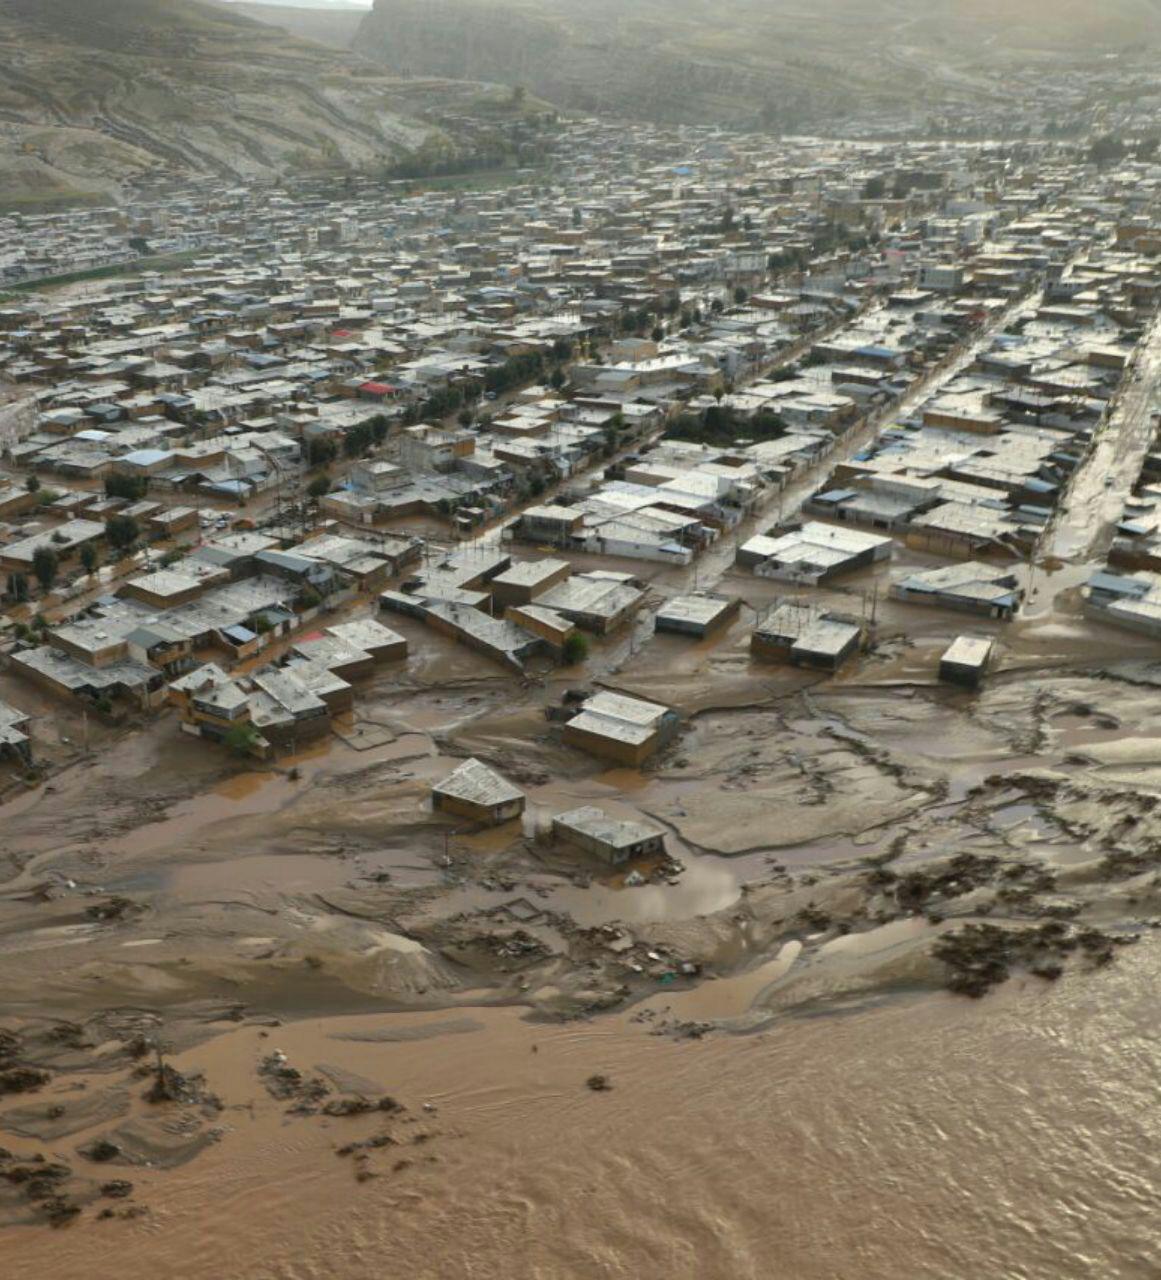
column 794, row 62
column 96, row 93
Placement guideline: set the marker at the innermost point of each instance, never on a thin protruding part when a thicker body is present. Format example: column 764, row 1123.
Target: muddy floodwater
column 885, row 1009
column 922, row 1138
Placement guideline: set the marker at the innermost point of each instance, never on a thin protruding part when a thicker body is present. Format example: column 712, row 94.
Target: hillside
column 96, row 93
column 794, row 62
column 336, row 25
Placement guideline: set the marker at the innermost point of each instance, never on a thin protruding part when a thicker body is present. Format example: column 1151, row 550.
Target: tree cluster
column 131, row 488
column 722, row 425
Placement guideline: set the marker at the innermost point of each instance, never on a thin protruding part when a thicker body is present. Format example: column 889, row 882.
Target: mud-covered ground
column 833, row 845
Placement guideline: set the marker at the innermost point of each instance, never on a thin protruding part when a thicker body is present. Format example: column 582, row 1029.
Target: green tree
column 45, row 564
column 121, row 532
column 575, row 649
column 131, row 488
column 319, row 487
column 89, row 558
column 32, row 484
column 243, row 739
column 740, row 295
column 557, row 379
column 875, row 188
column 359, row 441
column 320, row 452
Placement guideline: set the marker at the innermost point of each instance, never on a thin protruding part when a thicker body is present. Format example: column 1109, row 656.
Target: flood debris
column 376, row 1143
column 42, row 1183
column 114, row 909
column 171, row 1085
column 979, row 957
column 23, row 1079
column 288, row 1083
column 920, row 889
column 359, row 1106
column 101, row 1151
column 71, row 1035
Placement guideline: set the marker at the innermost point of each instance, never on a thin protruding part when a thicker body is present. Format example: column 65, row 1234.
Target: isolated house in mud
column 613, row 840
column 480, row 794
column 966, row 660
column 622, row 729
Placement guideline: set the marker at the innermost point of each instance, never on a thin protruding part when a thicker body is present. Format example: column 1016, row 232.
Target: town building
column 478, row 793
column 614, row 841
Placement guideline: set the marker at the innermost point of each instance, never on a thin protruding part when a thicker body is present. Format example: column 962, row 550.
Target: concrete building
column 552, row 627
column 625, row 730
column 600, row 601
column 965, row 661
column 1132, row 601
column 813, row 554
column 806, row 636
column 524, row 582
column 696, row 614
column 14, row 739
column 613, row 840
column 974, row 587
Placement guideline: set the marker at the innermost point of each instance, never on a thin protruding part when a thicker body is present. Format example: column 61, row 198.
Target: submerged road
column 709, row 569
column 1085, row 521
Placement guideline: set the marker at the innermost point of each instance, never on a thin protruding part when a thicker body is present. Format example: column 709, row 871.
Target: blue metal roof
column 1118, row 585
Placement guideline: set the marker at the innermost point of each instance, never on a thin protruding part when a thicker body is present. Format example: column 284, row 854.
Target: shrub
column 576, row 649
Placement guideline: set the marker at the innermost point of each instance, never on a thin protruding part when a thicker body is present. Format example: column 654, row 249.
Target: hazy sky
column 312, row 4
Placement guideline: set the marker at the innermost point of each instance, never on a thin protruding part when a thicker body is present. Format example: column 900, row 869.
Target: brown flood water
column 930, row 1137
